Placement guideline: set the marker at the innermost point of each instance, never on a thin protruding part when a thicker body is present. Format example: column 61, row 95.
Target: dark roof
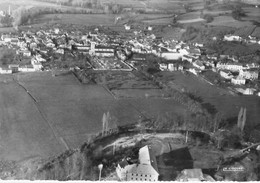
column 104, row 47
column 123, row 163
column 104, row 52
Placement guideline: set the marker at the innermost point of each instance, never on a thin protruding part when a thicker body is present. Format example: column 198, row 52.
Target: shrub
column 208, row 18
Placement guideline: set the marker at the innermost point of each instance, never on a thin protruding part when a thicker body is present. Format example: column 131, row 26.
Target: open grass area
column 252, row 14
column 23, row 131
column 79, row 19
column 220, row 98
column 228, row 21
column 59, row 112
column 189, row 16
column 30, row 3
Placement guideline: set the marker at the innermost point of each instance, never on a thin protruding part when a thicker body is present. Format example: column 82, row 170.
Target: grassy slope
column 24, row 133
column 74, row 112
column 224, row 102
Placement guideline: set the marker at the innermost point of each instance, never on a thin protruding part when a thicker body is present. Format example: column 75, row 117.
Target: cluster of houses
column 248, row 34
column 100, row 47
column 249, row 39
column 36, row 46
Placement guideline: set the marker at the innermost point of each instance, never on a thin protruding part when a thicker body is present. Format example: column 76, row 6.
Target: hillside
column 82, row 163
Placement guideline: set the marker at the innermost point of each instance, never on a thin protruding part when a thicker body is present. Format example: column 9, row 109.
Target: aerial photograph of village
column 130, row 90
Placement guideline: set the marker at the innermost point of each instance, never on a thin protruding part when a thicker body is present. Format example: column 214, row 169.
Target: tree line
column 90, row 4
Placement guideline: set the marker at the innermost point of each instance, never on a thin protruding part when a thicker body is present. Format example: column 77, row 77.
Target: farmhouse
column 127, row 27
column 232, row 38
column 33, row 45
column 14, row 41
column 36, row 64
column 26, row 53
column 145, row 171
column 170, row 55
column 60, row 51
column 175, row 67
column 26, row 68
column 13, row 67
column 139, row 57
column 150, row 28
column 199, row 65
column 163, row 66
column 226, row 74
column 5, row 36
column 82, row 47
column 249, row 74
column 187, row 58
column 213, row 57
column 5, row 71
column 194, row 52
column 194, row 71
column 238, row 81
column 249, row 91
column 252, row 66
column 229, row 66
column 103, row 51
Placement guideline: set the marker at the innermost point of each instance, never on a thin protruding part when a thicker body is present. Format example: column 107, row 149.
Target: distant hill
column 257, row 2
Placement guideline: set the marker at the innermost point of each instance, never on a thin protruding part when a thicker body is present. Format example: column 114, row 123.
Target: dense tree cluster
column 7, row 56
column 6, row 20
column 90, row 4
column 208, row 18
column 238, row 12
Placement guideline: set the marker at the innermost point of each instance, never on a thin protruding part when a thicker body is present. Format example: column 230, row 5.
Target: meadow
column 252, row 14
column 229, row 105
column 77, row 19
column 43, row 115
column 229, row 21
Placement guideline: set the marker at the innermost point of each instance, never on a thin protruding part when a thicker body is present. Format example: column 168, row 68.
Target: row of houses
column 249, row 39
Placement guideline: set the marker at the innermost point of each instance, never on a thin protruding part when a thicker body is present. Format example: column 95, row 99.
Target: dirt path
column 191, row 20
column 50, row 124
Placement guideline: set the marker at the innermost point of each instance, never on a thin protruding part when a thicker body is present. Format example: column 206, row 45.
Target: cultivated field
column 59, row 112
column 256, row 32
column 228, row 21
column 245, row 31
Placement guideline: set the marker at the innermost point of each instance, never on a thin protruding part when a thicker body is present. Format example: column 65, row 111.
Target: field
column 103, row 19
column 256, row 32
column 23, row 131
column 252, row 14
column 78, row 19
column 220, row 98
column 59, row 112
column 189, row 16
column 139, row 93
column 167, row 5
column 29, row 3
column 228, row 21
column 245, row 31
